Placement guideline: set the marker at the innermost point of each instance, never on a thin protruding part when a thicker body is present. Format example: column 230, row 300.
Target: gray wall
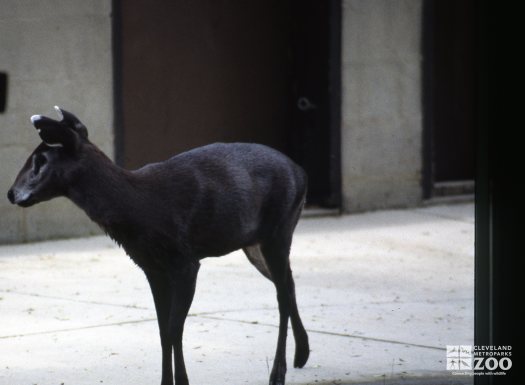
column 382, row 118
column 59, row 52
column 56, row 52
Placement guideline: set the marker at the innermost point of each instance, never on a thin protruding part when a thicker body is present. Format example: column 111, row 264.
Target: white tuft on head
column 34, row 118
column 54, row 144
column 59, row 112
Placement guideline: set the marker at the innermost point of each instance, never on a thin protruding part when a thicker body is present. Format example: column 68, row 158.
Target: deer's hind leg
column 271, row 258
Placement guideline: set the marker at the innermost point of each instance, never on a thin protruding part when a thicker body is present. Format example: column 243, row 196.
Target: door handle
column 304, row 104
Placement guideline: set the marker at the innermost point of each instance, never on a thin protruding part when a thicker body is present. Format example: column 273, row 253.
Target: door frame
column 335, row 80
column 116, row 44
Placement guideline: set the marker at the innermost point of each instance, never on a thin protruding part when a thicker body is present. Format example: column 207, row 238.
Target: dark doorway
column 316, row 74
column 189, row 73
column 450, row 95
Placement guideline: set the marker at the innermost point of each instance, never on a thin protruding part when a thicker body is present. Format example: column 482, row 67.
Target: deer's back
column 221, row 197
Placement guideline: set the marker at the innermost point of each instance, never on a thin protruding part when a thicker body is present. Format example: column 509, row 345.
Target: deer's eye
column 39, row 160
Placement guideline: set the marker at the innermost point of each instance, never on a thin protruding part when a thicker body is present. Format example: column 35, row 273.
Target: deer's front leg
column 182, row 290
column 161, row 290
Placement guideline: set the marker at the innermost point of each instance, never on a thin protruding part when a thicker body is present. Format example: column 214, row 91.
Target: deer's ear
column 55, row 134
column 72, row 122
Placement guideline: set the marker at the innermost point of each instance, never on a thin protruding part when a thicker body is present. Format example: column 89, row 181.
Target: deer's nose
column 11, row 196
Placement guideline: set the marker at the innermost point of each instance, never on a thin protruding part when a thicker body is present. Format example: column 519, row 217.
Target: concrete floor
column 381, row 295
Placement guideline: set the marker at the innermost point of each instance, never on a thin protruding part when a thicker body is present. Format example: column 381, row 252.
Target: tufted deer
column 169, row 215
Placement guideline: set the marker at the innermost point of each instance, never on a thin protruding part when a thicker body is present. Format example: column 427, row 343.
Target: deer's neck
column 106, row 192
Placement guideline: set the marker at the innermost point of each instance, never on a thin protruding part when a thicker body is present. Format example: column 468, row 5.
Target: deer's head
column 52, row 165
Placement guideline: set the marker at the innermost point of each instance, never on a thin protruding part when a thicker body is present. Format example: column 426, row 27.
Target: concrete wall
column 55, row 52
column 382, row 117
column 59, row 52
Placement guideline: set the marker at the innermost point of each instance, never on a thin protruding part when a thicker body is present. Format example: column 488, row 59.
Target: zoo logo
column 459, row 357
column 466, row 357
